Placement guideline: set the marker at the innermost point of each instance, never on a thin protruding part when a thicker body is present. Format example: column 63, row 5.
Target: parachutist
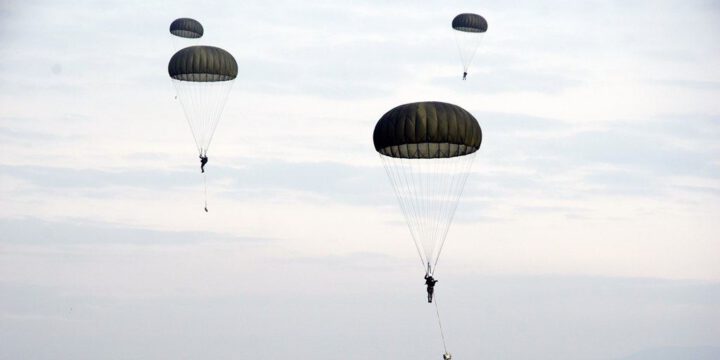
column 203, row 161
column 465, row 75
column 206, row 210
column 470, row 29
column 447, row 356
column 430, row 282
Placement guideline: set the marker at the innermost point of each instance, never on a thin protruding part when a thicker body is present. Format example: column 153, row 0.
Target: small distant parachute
column 469, row 31
column 427, row 149
column 186, row 28
column 185, row 32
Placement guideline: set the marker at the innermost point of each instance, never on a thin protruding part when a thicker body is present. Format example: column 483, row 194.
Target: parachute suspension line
column 394, row 177
column 461, row 188
column 461, row 50
column 467, row 45
column 407, row 191
column 203, row 103
column 448, row 174
column 438, row 201
column 455, row 188
column 425, row 186
column 451, row 192
column 428, row 191
column 440, row 176
column 219, row 107
column 413, row 187
column 181, row 92
column 442, row 333
column 423, row 179
column 443, row 180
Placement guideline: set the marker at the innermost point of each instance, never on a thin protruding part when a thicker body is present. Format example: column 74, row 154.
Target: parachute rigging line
column 428, row 191
column 394, row 179
column 461, row 186
column 467, row 46
column 203, row 105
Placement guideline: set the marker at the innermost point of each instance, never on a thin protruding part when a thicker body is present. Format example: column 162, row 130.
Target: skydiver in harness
column 447, row 356
column 430, row 282
column 465, row 75
column 203, row 161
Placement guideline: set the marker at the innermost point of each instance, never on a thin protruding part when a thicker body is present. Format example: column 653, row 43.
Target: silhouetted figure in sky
column 447, row 356
column 465, row 75
column 203, row 161
column 430, row 282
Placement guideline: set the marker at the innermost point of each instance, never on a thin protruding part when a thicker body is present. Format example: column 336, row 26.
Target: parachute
column 470, row 29
column 186, row 28
column 427, row 149
column 185, row 31
column 203, row 77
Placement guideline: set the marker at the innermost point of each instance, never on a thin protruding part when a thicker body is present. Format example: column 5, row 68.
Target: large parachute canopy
column 203, row 77
column 427, row 149
column 469, row 31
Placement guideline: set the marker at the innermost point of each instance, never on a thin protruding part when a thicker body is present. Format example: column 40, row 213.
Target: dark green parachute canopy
column 427, row 130
column 187, row 28
column 470, row 23
column 203, row 64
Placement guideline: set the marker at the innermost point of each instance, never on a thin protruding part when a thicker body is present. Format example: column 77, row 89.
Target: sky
column 588, row 228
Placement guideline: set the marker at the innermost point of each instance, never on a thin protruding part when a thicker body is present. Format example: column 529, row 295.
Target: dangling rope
column 205, row 186
column 442, row 333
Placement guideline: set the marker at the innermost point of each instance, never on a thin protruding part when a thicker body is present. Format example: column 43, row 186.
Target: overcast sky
column 588, row 228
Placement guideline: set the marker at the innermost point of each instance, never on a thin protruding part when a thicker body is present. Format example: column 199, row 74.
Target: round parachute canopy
column 427, row 149
column 427, row 130
column 202, row 64
column 470, row 23
column 186, row 28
